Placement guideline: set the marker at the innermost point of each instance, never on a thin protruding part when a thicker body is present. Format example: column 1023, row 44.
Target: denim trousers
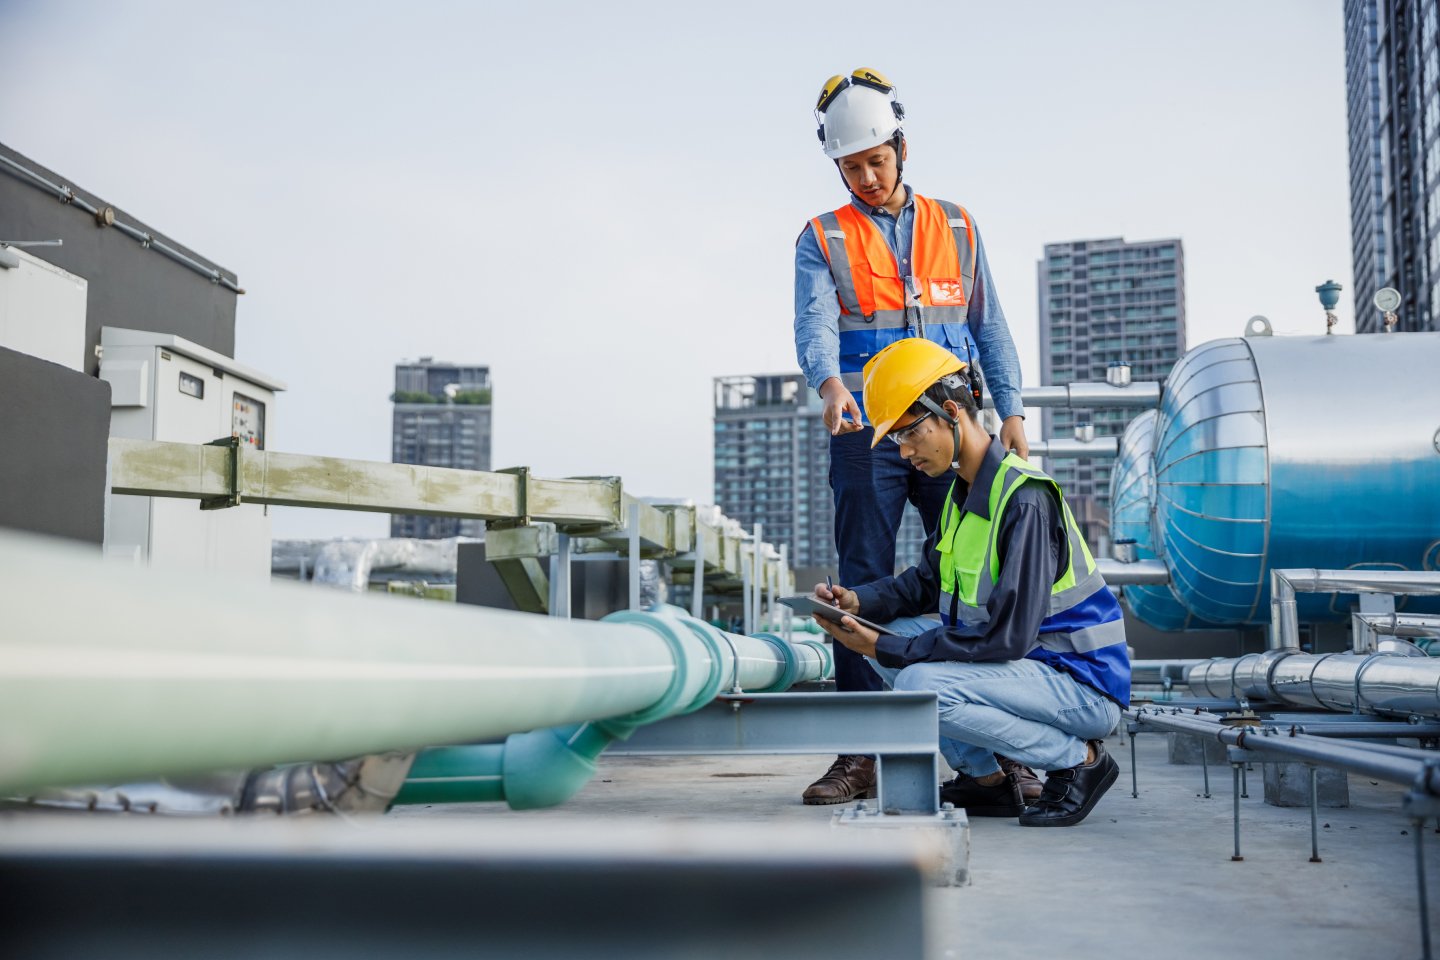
column 871, row 488
column 1023, row 709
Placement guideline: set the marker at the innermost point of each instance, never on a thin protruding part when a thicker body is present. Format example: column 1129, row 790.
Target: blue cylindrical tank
column 1132, row 508
column 1274, row 452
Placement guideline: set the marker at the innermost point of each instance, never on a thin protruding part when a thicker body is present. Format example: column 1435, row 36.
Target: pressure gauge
column 1387, row 299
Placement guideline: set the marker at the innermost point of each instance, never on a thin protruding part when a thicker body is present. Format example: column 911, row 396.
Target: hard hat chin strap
column 897, row 143
column 954, row 422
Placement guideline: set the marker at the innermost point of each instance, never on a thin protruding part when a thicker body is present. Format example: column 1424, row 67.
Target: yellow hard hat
column 896, row 376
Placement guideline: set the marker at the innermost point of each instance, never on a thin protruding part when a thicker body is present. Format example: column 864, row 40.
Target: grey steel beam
column 902, row 729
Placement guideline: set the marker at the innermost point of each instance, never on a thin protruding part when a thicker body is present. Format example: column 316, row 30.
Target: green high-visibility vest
column 970, row 562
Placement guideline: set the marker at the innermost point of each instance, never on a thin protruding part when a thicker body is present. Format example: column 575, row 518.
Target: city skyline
column 1393, row 103
column 772, row 456
column 441, row 418
column 567, row 224
column 1104, row 302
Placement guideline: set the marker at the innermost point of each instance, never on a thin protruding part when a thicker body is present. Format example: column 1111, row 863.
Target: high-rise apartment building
column 1104, row 302
column 772, row 466
column 1392, row 79
column 441, row 419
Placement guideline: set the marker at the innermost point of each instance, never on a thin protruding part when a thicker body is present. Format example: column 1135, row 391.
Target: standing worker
column 889, row 264
column 1029, row 658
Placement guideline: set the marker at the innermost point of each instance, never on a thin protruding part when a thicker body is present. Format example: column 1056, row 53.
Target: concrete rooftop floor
column 1150, row 875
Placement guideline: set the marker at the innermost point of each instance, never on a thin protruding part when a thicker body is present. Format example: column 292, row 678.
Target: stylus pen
column 830, row 585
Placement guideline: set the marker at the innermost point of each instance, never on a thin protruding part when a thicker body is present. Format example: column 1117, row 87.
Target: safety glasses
column 908, row 433
column 861, row 77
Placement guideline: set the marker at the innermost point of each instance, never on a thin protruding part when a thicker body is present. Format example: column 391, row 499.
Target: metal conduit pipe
column 162, row 676
column 1415, row 769
column 1138, row 394
column 1158, row 671
column 66, row 195
column 1284, row 584
column 1099, row 448
column 1380, row 683
column 544, row 768
column 1150, row 571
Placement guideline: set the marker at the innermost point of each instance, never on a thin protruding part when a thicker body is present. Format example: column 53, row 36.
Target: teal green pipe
column 544, row 768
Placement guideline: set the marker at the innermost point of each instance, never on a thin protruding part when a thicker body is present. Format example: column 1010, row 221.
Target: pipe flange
column 792, row 663
column 1273, row 657
column 663, row 626
column 711, row 637
column 1359, row 673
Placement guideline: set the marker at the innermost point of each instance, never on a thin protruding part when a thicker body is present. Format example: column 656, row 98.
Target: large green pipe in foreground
column 112, row 673
column 542, row 768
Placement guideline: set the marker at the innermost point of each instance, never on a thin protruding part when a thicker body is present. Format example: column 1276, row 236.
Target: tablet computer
column 806, row 605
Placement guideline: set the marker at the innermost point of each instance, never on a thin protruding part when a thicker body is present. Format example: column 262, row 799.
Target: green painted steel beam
column 154, row 468
column 515, row 504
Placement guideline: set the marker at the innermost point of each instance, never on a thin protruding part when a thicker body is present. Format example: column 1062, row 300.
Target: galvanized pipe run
column 1284, row 584
column 113, row 674
column 1139, row 394
column 1380, row 683
column 1100, row 448
column 1415, row 771
column 1148, row 572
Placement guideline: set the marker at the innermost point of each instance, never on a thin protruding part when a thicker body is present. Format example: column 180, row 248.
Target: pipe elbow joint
column 543, row 769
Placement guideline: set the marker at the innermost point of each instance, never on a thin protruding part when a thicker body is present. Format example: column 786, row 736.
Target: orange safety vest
column 877, row 304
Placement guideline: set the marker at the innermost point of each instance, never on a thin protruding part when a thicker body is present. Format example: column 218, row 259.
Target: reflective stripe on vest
column 873, row 294
column 970, row 567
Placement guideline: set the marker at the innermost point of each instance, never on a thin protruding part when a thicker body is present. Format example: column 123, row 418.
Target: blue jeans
column 871, row 488
column 1023, row 709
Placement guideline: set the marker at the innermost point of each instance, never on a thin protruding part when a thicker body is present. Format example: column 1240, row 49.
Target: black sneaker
column 978, row 800
column 1071, row 794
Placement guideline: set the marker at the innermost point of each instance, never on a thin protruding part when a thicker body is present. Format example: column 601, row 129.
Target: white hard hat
column 857, row 112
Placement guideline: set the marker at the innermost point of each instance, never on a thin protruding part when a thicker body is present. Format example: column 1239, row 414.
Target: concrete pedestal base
column 948, row 830
column 1288, row 785
column 1186, row 749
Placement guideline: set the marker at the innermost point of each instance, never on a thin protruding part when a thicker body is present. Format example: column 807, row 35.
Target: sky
column 600, row 200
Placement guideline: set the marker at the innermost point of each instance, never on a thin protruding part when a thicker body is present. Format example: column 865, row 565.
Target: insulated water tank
column 1274, row 452
column 1132, row 508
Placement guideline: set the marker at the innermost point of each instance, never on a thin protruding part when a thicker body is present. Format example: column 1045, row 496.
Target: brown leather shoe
column 849, row 778
column 1030, row 785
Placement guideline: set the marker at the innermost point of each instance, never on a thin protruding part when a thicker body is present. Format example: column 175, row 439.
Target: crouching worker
column 1029, row 658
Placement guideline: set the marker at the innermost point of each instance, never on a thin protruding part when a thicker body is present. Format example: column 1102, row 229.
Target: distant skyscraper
column 772, row 466
column 442, row 419
column 1104, row 301
column 1392, row 79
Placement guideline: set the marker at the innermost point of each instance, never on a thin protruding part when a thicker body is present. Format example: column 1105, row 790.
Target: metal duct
column 1132, row 516
column 1381, row 683
column 1246, row 482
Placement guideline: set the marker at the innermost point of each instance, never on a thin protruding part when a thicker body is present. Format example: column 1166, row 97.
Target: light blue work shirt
column 817, row 308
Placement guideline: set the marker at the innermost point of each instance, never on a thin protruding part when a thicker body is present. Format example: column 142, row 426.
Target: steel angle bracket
column 522, row 501
column 233, row 498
